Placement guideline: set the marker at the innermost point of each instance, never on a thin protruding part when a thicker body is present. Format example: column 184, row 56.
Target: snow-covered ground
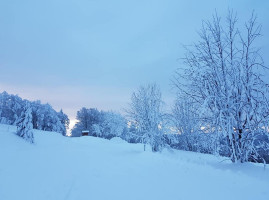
column 63, row 168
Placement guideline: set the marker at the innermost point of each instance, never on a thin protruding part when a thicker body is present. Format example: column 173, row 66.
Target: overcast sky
column 95, row 53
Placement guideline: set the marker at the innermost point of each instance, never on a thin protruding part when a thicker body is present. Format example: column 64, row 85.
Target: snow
column 64, row 168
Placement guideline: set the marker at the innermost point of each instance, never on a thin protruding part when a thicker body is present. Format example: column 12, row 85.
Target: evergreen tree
column 24, row 124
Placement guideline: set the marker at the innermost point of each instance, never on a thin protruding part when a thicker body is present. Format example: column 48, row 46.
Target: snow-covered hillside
column 63, row 168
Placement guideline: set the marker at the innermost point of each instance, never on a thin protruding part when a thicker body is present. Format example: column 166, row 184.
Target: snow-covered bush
column 131, row 134
column 195, row 141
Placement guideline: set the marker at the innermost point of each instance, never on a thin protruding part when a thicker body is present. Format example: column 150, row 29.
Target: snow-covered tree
column 48, row 119
column 224, row 79
column 36, row 110
column 86, row 119
column 111, row 125
column 10, row 108
column 114, row 124
column 24, row 124
column 64, row 122
column 185, row 117
column 5, row 108
column 188, row 135
column 146, row 113
column 130, row 134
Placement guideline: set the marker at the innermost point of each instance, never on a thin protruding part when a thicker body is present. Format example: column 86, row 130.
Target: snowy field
column 62, row 168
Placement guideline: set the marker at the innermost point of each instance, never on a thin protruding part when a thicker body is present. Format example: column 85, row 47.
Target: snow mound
column 64, row 168
column 118, row 140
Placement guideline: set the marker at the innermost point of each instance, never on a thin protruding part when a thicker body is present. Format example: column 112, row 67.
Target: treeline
column 109, row 124
column 146, row 122
column 43, row 116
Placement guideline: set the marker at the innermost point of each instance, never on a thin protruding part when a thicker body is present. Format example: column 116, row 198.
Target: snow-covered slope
column 62, row 168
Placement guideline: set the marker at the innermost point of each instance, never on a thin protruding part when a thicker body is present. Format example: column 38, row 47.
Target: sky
column 96, row 53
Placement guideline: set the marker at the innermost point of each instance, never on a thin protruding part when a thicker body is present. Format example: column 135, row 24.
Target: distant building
column 85, row 133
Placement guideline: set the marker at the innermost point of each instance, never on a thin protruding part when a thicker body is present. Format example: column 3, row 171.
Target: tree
column 111, row 125
column 36, row 110
column 185, row 118
column 86, row 119
column 145, row 112
column 10, row 108
column 224, row 79
column 64, row 122
column 189, row 135
column 24, row 124
column 130, row 133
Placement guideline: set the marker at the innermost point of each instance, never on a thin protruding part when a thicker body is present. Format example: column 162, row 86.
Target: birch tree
column 145, row 112
column 223, row 76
